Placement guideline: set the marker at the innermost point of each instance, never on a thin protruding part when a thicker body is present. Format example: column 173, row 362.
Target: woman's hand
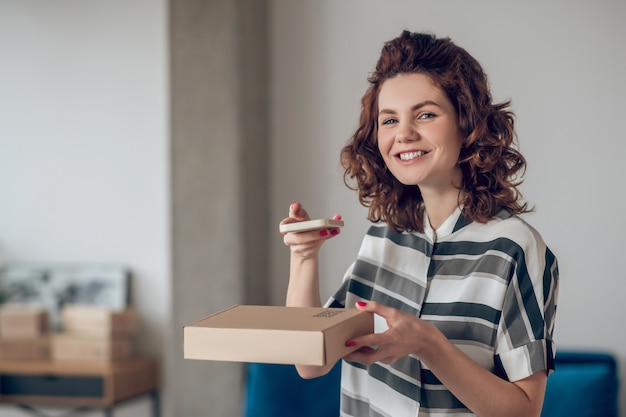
column 405, row 335
column 303, row 289
column 306, row 244
column 483, row 392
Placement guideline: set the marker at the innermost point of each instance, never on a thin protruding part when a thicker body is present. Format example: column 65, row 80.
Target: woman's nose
column 406, row 133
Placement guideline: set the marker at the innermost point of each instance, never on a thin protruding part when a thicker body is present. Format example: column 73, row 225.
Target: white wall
column 563, row 65
column 84, row 144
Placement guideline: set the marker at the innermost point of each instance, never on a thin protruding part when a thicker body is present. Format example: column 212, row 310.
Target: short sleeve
column 525, row 342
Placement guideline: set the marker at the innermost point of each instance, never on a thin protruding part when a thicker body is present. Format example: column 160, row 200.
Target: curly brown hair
column 490, row 165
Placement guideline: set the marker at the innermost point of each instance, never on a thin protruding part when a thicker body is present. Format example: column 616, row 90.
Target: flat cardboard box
column 67, row 347
column 23, row 322
column 97, row 321
column 25, row 349
column 271, row 334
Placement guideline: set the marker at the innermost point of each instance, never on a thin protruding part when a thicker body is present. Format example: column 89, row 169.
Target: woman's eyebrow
column 415, row 107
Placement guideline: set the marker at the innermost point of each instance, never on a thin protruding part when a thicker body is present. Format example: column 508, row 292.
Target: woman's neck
column 440, row 205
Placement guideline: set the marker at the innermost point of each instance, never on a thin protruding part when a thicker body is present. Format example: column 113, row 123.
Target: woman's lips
column 408, row 156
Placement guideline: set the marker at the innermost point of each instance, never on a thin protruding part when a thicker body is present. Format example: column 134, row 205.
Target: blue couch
column 278, row 391
column 585, row 384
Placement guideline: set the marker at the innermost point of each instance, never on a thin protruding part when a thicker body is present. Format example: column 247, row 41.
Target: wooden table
column 79, row 386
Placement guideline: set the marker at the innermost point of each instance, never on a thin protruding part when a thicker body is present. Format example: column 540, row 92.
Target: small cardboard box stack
column 24, row 332
column 92, row 333
column 272, row 334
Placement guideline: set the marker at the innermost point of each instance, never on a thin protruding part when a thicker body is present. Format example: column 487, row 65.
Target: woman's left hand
column 405, row 335
column 480, row 390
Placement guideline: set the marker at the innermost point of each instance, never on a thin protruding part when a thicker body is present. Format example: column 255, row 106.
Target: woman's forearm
column 484, row 393
column 304, row 288
column 303, row 291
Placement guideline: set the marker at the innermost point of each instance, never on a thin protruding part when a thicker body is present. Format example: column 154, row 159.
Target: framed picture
column 53, row 285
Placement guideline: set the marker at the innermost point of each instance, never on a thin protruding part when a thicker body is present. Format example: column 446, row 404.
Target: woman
column 463, row 290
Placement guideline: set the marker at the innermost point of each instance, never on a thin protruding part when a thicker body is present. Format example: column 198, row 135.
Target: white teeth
column 411, row 155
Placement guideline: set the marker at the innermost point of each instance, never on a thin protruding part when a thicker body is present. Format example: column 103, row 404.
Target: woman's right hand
column 306, row 244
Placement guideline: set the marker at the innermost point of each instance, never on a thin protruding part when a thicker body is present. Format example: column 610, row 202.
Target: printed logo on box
column 326, row 314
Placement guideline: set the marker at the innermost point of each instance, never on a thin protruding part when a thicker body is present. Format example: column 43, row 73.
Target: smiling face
column 418, row 133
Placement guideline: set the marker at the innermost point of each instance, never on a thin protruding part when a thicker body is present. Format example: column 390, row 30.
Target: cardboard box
column 26, row 349
column 99, row 322
column 66, row 347
column 23, row 322
column 269, row 334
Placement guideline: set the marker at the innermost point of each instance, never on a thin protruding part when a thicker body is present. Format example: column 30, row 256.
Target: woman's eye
column 388, row 121
column 427, row 115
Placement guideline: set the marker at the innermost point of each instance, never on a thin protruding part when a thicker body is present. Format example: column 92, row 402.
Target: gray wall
column 220, row 172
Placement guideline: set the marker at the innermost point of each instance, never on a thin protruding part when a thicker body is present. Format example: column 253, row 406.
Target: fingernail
column 337, row 217
column 350, row 343
column 324, row 232
column 334, row 232
column 361, row 303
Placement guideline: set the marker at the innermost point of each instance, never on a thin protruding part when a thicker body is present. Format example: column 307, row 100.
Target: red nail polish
column 350, row 343
column 334, row 232
column 361, row 303
column 324, row 232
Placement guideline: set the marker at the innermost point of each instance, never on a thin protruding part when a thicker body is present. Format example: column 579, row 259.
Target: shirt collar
column 446, row 228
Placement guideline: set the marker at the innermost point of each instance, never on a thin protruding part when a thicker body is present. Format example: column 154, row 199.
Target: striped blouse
column 490, row 288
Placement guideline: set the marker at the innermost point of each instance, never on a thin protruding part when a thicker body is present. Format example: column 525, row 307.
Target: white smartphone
column 308, row 225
